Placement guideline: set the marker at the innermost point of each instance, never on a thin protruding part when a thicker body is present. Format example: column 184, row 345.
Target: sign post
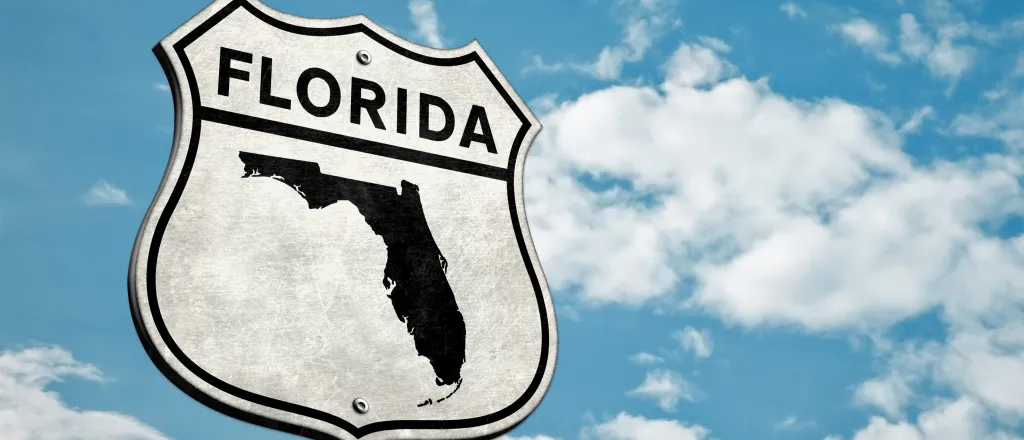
column 339, row 248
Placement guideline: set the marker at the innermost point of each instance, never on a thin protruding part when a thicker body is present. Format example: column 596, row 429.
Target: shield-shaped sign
column 339, row 247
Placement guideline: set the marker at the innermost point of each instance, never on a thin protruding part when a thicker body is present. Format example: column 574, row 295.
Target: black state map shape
column 421, row 297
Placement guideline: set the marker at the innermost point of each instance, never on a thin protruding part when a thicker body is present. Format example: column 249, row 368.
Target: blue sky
column 760, row 220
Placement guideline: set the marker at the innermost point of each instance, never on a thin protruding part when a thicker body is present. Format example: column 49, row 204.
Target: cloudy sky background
column 760, row 220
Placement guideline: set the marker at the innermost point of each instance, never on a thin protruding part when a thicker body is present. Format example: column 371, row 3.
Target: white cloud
column 697, row 341
column 162, row 87
column 644, row 358
column 941, row 54
column 981, row 360
column 1018, row 66
column 1007, row 29
column 28, row 410
column 646, row 21
column 986, row 364
column 788, row 212
column 693, row 65
column 538, row 64
column 869, row 37
column 104, row 193
column 715, row 44
column 792, row 423
column 428, row 27
column 902, row 247
column 863, row 33
column 905, row 369
column 995, row 94
column 913, row 123
column 857, row 237
column 873, row 85
column 666, row 387
column 792, row 10
column 913, row 41
column 951, row 420
column 544, row 104
column 629, row 427
column 1001, row 119
column 938, row 44
column 887, row 394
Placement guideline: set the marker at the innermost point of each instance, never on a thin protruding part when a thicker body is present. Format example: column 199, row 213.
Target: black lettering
column 426, row 101
column 372, row 106
column 227, row 72
column 302, row 92
column 400, row 121
column 477, row 115
column 266, row 95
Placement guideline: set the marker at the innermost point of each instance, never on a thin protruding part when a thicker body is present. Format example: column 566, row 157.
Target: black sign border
column 188, row 388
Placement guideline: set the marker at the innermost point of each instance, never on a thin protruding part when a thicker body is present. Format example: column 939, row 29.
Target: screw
column 363, row 57
column 360, row 405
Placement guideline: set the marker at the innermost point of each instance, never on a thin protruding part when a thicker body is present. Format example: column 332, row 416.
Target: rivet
column 360, row 405
column 363, row 57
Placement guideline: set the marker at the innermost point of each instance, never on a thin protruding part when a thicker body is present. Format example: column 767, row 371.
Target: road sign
column 339, row 247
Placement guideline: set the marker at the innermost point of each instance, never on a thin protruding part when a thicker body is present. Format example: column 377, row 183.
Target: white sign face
column 339, row 248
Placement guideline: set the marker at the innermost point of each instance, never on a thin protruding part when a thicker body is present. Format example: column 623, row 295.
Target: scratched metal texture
column 286, row 302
